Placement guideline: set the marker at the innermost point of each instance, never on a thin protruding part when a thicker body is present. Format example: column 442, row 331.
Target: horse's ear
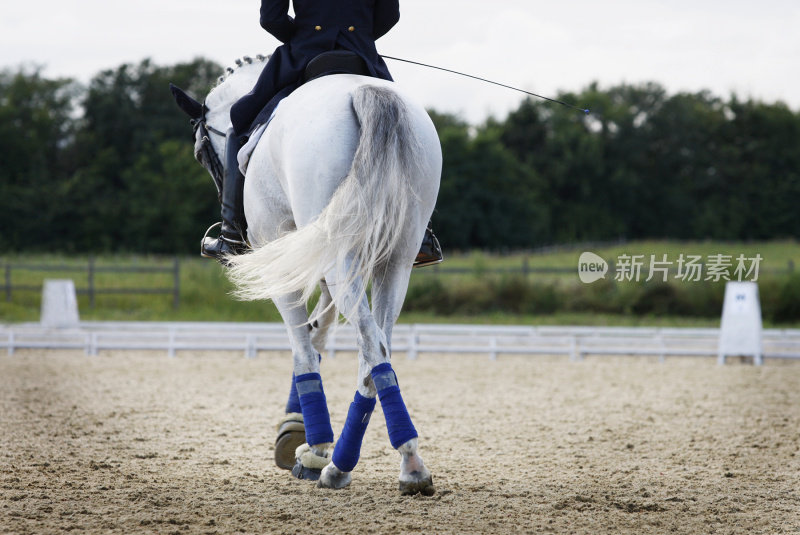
column 190, row 106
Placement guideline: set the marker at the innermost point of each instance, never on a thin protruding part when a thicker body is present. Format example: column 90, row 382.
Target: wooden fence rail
column 91, row 269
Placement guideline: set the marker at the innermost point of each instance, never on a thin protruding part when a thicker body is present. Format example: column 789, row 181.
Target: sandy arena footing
column 131, row 442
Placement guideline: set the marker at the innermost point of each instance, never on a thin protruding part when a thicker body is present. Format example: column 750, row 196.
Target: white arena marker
column 59, row 304
column 740, row 330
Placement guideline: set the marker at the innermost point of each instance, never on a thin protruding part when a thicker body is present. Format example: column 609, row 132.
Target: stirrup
column 220, row 247
column 430, row 253
column 217, row 224
column 223, row 238
column 422, row 262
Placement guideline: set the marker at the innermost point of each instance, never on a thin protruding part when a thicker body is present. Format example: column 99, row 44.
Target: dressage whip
column 584, row 110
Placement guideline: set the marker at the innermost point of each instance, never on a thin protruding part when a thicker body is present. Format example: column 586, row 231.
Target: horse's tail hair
column 361, row 225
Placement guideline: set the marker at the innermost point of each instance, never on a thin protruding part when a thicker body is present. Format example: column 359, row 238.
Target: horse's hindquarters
column 317, row 131
column 352, row 155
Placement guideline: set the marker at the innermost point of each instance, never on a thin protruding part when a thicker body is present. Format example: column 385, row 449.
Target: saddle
column 332, row 62
column 335, row 62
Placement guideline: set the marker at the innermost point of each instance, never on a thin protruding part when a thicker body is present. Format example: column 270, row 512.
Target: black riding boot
column 231, row 239
column 430, row 252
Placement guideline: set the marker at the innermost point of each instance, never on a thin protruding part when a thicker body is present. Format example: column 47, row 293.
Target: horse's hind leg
column 323, row 316
column 376, row 377
column 306, row 394
column 388, row 294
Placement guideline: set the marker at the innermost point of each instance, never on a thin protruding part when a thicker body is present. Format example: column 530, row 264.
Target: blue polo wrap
column 293, row 405
column 398, row 422
column 348, row 447
column 316, row 419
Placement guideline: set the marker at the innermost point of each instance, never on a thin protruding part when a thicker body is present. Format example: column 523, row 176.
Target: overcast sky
column 751, row 48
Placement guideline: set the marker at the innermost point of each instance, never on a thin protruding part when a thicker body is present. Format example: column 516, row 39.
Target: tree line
column 108, row 166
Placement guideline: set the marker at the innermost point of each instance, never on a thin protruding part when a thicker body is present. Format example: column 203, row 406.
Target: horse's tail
column 361, row 225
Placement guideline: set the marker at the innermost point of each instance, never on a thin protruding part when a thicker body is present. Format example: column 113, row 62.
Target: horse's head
column 211, row 119
column 209, row 142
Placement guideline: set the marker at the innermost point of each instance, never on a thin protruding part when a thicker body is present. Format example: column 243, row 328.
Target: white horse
column 337, row 194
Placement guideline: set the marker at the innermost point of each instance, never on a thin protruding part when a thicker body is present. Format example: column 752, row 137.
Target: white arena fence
column 413, row 340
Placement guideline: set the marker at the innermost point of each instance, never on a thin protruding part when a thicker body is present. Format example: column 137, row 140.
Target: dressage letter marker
column 398, row 422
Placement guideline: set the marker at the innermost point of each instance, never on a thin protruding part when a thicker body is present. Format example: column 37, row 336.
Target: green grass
column 475, row 296
column 204, row 291
column 560, row 298
column 777, row 256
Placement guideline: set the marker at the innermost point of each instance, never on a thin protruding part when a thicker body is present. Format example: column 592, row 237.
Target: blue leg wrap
column 293, row 405
column 348, row 447
column 398, row 422
column 315, row 409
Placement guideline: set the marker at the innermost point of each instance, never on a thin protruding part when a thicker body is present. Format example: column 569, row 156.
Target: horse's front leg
column 306, row 396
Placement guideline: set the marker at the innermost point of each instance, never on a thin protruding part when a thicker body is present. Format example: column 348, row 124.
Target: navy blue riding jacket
column 319, row 26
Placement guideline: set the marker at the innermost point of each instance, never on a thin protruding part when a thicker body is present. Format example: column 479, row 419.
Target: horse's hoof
column 422, row 486
column 302, row 472
column 333, row 478
column 309, row 465
column 291, row 434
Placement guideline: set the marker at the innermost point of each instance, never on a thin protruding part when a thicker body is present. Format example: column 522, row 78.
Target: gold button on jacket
column 351, row 29
column 318, row 28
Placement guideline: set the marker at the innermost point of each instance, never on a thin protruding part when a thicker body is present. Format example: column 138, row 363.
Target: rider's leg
column 231, row 238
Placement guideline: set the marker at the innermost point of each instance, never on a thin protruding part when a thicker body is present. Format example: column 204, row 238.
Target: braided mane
column 244, row 60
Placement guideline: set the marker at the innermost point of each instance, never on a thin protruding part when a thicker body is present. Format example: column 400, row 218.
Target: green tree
column 127, row 168
column 567, row 151
column 36, row 128
column 183, row 186
column 109, row 167
column 487, row 198
column 683, row 149
column 761, row 161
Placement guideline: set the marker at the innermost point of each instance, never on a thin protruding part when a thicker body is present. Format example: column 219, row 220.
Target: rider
column 319, row 26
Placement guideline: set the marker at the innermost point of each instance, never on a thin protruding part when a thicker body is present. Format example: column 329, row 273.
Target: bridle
column 203, row 149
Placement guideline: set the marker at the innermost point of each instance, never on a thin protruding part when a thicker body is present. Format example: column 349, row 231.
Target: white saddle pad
column 243, row 156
